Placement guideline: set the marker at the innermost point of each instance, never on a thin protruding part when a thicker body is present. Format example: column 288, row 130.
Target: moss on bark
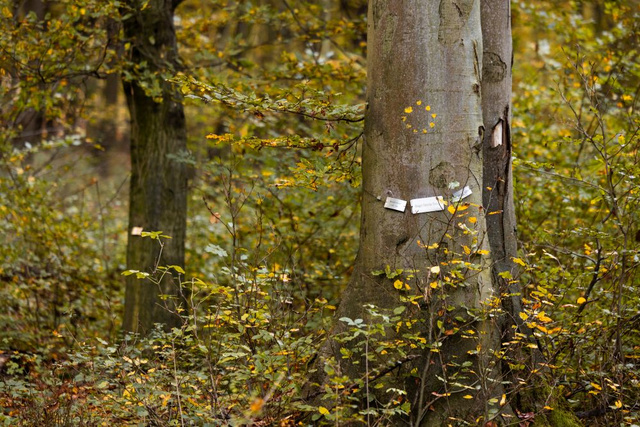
column 533, row 400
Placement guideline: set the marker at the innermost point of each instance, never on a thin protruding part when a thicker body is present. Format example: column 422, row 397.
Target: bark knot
column 441, row 175
column 493, row 67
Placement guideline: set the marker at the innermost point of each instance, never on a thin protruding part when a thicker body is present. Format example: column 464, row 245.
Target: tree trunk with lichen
column 423, row 138
column 158, row 190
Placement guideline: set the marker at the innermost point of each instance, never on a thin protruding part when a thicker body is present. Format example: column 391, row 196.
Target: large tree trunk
column 424, row 59
column 158, row 198
column 32, row 122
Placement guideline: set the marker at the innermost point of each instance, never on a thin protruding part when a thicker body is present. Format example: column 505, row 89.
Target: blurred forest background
column 273, row 94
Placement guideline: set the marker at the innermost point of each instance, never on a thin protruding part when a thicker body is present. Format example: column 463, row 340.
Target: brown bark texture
column 158, row 189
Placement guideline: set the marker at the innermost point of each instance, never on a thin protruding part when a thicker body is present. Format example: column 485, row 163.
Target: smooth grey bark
column 425, row 53
column 498, row 202
column 497, row 153
column 158, row 190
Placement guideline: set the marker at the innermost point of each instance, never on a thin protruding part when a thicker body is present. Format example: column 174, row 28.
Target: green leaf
column 399, row 310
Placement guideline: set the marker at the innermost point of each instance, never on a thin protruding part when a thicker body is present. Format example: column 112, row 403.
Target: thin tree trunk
column 500, row 218
column 158, row 195
column 497, row 153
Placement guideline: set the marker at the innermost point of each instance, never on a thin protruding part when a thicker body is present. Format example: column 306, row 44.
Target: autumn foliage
column 274, row 99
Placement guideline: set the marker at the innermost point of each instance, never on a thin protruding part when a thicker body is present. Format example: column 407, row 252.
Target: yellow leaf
column 503, row 400
column 473, row 220
column 596, row 386
column 408, row 110
column 467, row 396
column 418, row 102
column 433, row 285
column 428, row 108
column 543, row 317
column 581, row 300
column 548, row 408
column 523, row 315
column 467, row 251
column 178, row 269
column 397, row 284
column 519, row 261
column 257, row 405
column 618, row 404
column 128, row 392
column 483, row 252
column 451, row 209
column 542, row 328
column 323, row 410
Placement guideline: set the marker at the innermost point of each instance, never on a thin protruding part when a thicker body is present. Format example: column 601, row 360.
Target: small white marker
column 427, row 204
column 496, row 136
column 395, row 204
column 461, row 194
